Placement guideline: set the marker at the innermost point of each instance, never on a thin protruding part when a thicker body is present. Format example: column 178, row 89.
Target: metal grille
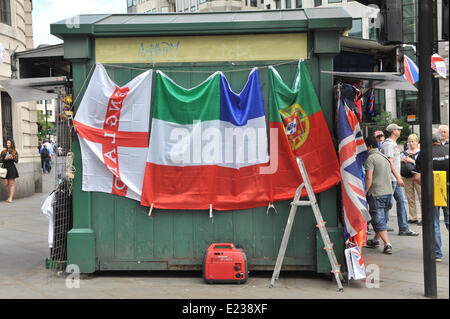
column 7, row 128
column 62, row 166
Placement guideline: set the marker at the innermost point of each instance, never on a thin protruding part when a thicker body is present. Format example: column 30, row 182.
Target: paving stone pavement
column 23, row 249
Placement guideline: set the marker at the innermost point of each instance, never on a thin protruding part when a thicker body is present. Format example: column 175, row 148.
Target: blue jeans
column 402, row 216
column 437, row 229
column 46, row 165
column 378, row 207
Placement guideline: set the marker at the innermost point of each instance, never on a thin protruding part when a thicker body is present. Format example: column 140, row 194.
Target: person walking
column 408, row 163
column 392, row 152
column 46, row 158
column 379, row 191
column 440, row 155
column 9, row 156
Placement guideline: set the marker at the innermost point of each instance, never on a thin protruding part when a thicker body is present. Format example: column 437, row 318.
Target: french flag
column 411, row 70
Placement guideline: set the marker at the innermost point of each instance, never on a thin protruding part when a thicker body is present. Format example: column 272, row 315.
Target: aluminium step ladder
column 335, row 267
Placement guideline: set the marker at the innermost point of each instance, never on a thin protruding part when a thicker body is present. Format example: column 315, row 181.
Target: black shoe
column 408, row 233
column 371, row 243
column 412, row 221
column 387, row 249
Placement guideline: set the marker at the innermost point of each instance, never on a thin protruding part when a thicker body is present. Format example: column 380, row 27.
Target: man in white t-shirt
column 391, row 150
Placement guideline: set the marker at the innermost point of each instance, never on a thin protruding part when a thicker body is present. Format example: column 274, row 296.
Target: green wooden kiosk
column 114, row 233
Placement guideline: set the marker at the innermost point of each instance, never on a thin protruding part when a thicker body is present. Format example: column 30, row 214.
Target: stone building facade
column 18, row 120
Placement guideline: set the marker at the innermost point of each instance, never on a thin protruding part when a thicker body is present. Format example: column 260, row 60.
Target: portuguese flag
column 297, row 114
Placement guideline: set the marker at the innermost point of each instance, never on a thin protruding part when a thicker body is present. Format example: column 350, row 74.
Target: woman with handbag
column 408, row 163
column 8, row 157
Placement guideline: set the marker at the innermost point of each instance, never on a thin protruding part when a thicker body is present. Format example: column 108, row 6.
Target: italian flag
column 209, row 149
column 297, row 115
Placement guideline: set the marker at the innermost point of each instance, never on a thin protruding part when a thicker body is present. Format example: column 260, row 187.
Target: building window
column 5, row 11
column 298, row 3
column 7, row 121
column 278, row 4
column 288, row 4
column 409, row 8
column 372, row 32
column 334, row 1
column 165, row 9
column 317, row 3
column 356, row 30
column 253, row 3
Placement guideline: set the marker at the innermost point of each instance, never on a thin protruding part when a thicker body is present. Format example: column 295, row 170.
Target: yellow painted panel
column 285, row 46
column 440, row 188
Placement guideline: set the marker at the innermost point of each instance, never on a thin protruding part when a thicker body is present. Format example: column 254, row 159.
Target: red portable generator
column 225, row 263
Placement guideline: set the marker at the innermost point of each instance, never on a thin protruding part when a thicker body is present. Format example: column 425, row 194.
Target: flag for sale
column 438, row 65
column 297, row 114
column 112, row 123
column 352, row 155
column 411, row 70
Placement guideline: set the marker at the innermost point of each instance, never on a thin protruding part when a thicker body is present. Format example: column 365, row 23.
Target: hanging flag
column 411, row 70
column 298, row 116
column 358, row 102
column 352, row 155
column 207, row 144
column 438, row 65
column 112, row 124
column 371, row 103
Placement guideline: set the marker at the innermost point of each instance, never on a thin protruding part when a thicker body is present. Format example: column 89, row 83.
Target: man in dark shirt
column 440, row 155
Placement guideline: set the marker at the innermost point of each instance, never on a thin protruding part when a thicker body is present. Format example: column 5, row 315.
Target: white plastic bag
column 355, row 263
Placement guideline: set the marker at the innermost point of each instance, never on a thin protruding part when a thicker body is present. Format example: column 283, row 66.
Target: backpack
column 44, row 153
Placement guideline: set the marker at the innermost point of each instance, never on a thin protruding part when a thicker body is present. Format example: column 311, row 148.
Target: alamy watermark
column 73, row 279
column 73, row 22
column 231, row 146
column 372, row 276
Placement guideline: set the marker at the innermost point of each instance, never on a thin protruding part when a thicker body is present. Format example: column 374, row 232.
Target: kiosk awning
column 34, row 89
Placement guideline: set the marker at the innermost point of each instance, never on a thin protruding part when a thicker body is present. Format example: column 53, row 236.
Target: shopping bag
column 355, row 263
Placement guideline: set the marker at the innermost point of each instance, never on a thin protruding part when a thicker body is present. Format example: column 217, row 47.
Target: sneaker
column 408, row 233
column 387, row 249
column 438, row 260
column 371, row 243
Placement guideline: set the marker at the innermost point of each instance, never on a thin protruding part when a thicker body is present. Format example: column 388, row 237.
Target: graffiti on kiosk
column 158, row 50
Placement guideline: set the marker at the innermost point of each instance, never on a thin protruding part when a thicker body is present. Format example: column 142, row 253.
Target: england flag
column 112, row 123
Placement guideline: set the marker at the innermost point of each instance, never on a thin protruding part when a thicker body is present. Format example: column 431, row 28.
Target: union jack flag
column 411, row 70
column 352, row 155
column 359, row 258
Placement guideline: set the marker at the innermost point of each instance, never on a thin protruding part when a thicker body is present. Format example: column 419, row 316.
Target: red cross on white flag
column 112, row 124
